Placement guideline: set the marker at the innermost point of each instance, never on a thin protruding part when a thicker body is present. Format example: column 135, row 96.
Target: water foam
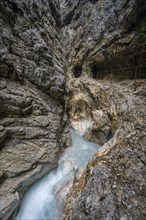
column 43, row 201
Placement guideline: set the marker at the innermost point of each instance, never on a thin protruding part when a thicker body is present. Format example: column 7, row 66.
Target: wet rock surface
column 33, row 125
column 41, row 43
column 113, row 184
column 106, row 42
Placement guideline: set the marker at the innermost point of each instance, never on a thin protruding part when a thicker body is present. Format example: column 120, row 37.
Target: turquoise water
column 43, row 201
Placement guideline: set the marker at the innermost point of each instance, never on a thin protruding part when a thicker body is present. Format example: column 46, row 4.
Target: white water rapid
column 44, row 199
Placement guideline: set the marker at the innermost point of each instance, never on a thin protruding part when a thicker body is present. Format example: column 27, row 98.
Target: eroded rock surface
column 113, row 185
column 33, row 125
column 41, row 41
column 106, row 41
column 105, row 38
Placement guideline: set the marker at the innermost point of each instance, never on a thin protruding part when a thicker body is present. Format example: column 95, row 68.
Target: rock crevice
column 41, row 43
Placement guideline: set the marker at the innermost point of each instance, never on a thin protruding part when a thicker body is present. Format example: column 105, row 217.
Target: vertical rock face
column 113, row 184
column 33, row 128
column 30, row 44
column 41, row 42
column 109, row 34
column 106, row 40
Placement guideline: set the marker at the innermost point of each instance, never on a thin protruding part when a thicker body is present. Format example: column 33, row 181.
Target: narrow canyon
column 72, row 109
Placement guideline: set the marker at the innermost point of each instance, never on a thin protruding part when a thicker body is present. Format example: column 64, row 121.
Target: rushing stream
column 43, row 201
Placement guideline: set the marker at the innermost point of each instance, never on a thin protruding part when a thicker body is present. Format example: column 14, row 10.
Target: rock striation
column 33, row 124
column 108, row 35
column 106, row 47
column 45, row 46
column 113, row 184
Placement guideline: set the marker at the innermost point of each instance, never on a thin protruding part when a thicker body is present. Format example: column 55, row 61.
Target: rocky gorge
column 74, row 63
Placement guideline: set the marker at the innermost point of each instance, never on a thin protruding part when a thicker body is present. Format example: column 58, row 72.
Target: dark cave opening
column 95, row 71
column 112, row 71
column 77, row 71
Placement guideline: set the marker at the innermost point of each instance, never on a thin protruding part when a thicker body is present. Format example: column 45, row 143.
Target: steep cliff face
column 113, row 184
column 33, row 129
column 105, row 37
column 41, row 42
column 106, row 45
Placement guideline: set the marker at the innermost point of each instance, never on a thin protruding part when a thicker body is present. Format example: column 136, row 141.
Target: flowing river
column 44, row 199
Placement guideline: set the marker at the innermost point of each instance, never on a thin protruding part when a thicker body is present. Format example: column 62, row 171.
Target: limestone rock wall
column 41, row 41
column 113, row 184
column 108, row 109
column 33, row 125
column 109, row 34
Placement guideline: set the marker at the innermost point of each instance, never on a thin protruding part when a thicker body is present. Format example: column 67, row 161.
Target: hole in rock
column 77, row 71
column 78, row 110
column 99, row 136
column 95, row 72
